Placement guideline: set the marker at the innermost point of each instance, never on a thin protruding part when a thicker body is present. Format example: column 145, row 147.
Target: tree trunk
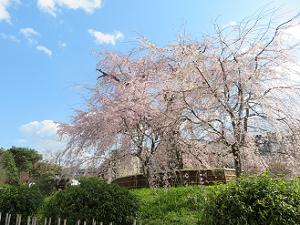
column 179, row 158
column 237, row 160
column 173, row 150
column 146, row 170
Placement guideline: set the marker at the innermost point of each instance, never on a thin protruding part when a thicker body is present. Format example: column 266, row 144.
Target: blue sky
column 46, row 51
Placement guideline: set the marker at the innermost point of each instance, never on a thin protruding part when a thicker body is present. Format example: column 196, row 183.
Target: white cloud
column 291, row 35
column 42, row 136
column 4, row 14
column 40, row 129
column 291, row 72
column 9, row 37
column 30, row 34
column 103, row 38
column 51, row 6
column 44, row 49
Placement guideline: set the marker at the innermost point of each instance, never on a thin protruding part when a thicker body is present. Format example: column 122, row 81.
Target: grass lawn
column 171, row 206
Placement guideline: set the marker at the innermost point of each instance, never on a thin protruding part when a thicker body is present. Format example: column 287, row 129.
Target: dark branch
column 104, row 74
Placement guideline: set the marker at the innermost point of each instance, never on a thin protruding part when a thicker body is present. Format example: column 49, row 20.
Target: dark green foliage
column 24, row 165
column 254, row 200
column 92, row 199
column 16, row 163
column 20, row 199
column 43, row 176
column 171, row 206
column 25, row 158
column 8, row 167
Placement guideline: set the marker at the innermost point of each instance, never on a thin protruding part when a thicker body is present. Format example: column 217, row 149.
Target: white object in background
column 74, row 182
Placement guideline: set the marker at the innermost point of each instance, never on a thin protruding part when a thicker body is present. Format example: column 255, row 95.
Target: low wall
column 181, row 177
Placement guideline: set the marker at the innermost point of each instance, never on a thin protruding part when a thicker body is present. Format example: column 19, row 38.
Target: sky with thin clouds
column 47, row 46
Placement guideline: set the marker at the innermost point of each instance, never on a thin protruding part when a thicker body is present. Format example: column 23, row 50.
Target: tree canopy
column 22, row 165
column 195, row 101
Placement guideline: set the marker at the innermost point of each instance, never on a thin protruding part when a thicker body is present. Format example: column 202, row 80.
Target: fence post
column 6, row 217
column 0, row 216
column 9, row 219
column 58, row 222
column 101, row 223
column 78, row 222
column 65, row 221
column 28, row 220
column 5, row 221
column 20, row 219
column 49, row 221
column 134, row 222
column 35, row 220
column 17, row 219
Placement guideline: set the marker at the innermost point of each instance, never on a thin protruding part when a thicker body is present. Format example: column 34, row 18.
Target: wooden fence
column 180, row 177
column 7, row 219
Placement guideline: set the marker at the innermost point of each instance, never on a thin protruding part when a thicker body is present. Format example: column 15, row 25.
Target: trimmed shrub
column 20, row 199
column 92, row 199
column 253, row 200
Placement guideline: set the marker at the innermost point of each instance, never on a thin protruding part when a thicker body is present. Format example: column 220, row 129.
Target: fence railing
column 33, row 220
column 178, row 177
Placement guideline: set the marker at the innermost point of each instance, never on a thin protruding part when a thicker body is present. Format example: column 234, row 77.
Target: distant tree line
column 24, row 166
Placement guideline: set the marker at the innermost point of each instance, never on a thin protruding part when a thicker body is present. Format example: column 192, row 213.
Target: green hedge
column 20, row 199
column 253, row 200
column 92, row 199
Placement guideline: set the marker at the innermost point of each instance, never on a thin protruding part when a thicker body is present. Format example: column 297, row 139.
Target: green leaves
column 20, row 199
column 15, row 160
column 174, row 205
column 253, row 200
column 93, row 198
column 9, row 168
column 25, row 158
